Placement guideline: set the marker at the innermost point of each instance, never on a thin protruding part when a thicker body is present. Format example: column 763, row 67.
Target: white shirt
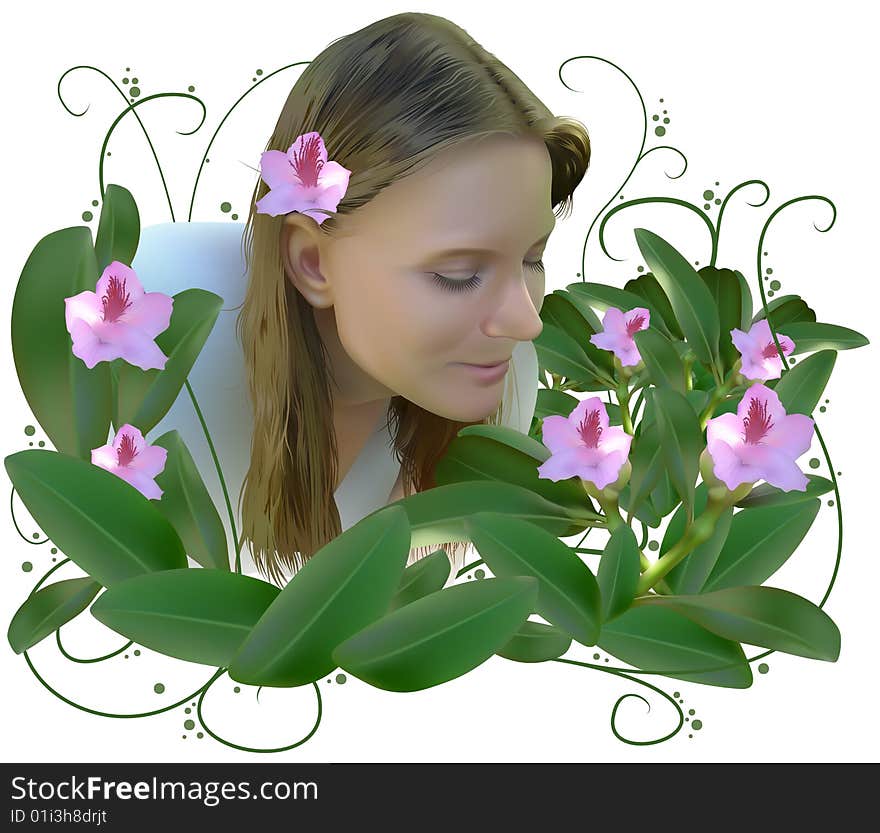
column 172, row 257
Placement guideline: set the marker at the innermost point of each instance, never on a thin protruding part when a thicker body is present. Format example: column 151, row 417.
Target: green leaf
column 581, row 305
column 470, row 457
column 48, row 609
column 662, row 640
column 760, row 541
column 681, row 442
column 344, row 586
column 689, row 575
column 646, row 459
column 644, row 510
column 198, row 615
column 619, row 571
column 535, row 642
column 568, row 595
column 437, row 515
column 71, row 403
column 187, row 505
column 691, row 300
column 553, row 402
column 427, row 575
column 144, row 396
column 811, row 335
column 602, row 296
column 119, row 228
column 101, row 523
column 726, row 292
column 664, row 498
column 646, row 286
column 801, row 387
column 440, row 637
column 745, row 293
column 762, row 616
column 559, row 353
column 562, row 312
column 767, row 495
column 786, row 309
column 661, row 358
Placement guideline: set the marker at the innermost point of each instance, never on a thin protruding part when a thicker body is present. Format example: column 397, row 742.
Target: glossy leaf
column 619, row 571
column 767, row 495
column 427, row 575
column 101, row 522
column 760, row 541
column 559, row 353
column 71, row 403
column 662, row 640
column 46, row 610
column 602, row 297
column 745, row 294
column 535, row 642
column 343, row 587
column 581, row 305
column 726, row 292
column 681, row 442
column 439, row 637
column 691, row 300
column 690, row 574
column 786, row 309
column 198, row 615
column 809, row 336
column 144, row 396
column 764, row 616
column 188, row 506
column 119, row 228
column 561, row 311
column 801, row 387
column 661, row 358
column 648, row 287
column 568, row 595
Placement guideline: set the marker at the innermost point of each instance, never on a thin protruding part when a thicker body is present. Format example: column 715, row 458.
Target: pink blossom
column 617, row 333
column 130, row 458
column 118, row 320
column 760, row 358
column 759, row 442
column 302, row 179
column 583, row 445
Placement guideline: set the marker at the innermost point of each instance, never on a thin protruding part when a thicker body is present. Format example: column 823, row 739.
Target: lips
column 490, row 364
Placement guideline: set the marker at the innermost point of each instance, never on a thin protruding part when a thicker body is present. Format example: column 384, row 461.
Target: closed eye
column 451, row 285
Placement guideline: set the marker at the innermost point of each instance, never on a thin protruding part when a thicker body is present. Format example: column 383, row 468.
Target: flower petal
column 333, row 181
column 134, row 435
column 562, row 465
column 280, row 200
column 591, row 403
column 150, row 460
column 89, row 347
column 729, row 468
column 613, row 320
column 726, row 428
column 141, row 481
column 128, row 281
column 558, row 434
column 133, row 345
column 85, row 306
column 608, row 470
column 276, row 170
column 105, row 457
column 792, row 435
column 615, row 439
column 151, row 314
column 779, row 470
column 775, row 410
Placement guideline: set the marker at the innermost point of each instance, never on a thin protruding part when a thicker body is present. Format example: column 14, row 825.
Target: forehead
column 497, row 186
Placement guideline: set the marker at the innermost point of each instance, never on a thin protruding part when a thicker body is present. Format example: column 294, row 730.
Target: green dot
column 707, row 195
column 774, row 284
column 30, row 430
column 676, row 694
column 479, row 573
column 763, row 668
column 125, row 656
column 341, row 678
column 137, row 652
column 124, row 80
column 187, row 710
column 768, row 270
column 36, row 535
column 87, row 215
column 691, row 712
column 770, row 294
column 659, row 130
column 134, row 80
column 128, row 69
column 717, row 201
column 94, row 202
column 191, row 88
column 253, row 79
column 697, row 724
column 235, row 216
column 225, row 207
column 665, row 121
column 706, row 206
column 831, row 503
column 200, row 735
column 792, row 360
column 189, row 724
column 595, row 656
column 653, row 545
column 822, row 409
column 236, row 689
column 134, row 92
column 158, row 688
column 814, row 462
column 41, row 443
column 27, row 566
column 656, row 117
column 259, row 72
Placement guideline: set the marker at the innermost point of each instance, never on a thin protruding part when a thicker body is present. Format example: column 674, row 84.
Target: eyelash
column 474, row 281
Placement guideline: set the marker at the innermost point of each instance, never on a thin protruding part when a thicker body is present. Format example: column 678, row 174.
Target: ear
column 302, row 246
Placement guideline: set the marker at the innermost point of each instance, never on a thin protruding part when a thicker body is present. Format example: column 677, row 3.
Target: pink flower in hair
column 302, row 179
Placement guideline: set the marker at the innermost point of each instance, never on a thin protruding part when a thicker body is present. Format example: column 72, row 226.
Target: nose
column 514, row 316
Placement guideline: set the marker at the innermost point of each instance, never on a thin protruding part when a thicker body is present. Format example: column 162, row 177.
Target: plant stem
column 720, row 394
column 623, row 400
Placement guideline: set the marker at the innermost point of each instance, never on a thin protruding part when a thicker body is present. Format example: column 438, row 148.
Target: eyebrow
column 464, row 250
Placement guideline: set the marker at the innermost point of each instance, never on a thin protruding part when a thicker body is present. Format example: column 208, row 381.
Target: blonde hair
column 386, row 100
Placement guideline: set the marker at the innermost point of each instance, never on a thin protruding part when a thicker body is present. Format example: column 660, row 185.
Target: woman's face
column 478, row 216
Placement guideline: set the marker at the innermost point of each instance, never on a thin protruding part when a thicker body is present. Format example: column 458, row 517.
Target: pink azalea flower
column 583, row 445
column 617, row 333
column 759, row 442
column 118, row 320
column 130, row 458
column 302, row 179
column 760, row 358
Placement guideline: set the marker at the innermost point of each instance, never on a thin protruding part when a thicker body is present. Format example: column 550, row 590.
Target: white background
column 778, row 92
